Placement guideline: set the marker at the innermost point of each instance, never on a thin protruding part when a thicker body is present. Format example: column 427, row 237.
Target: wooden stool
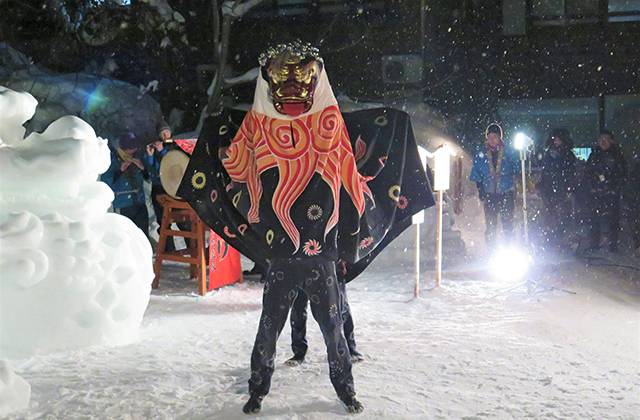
column 180, row 211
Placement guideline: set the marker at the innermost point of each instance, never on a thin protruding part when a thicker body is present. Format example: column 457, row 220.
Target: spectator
column 493, row 171
column 556, row 185
column 126, row 176
column 155, row 151
column 605, row 177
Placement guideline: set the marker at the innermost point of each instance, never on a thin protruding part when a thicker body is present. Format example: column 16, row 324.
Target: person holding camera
column 155, row 151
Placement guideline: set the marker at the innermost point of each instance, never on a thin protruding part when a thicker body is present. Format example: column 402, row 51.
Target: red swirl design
column 287, row 139
column 326, row 129
column 320, row 144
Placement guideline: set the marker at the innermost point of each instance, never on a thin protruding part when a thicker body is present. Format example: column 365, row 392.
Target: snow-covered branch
column 238, row 8
column 231, row 10
column 247, row 77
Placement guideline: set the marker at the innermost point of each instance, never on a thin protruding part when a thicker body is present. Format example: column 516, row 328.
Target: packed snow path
column 473, row 349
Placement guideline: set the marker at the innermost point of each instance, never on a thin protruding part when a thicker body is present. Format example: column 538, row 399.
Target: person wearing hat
column 494, row 170
column 605, row 178
column 155, row 151
column 556, row 185
column 126, row 177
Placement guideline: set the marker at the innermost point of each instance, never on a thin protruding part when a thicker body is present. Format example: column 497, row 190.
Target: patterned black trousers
column 298, row 322
column 317, row 277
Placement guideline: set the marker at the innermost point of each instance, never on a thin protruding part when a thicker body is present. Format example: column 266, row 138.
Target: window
column 562, row 11
column 315, row 8
column 624, row 10
column 547, row 9
column 538, row 118
column 293, row 7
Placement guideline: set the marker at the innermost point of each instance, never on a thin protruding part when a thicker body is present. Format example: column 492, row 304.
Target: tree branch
column 238, row 8
column 216, row 30
column 231, row 10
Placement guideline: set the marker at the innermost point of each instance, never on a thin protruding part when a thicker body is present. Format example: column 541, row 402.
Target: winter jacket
column 558, row 172
column 127, row 186
column 152, row 165
column 481, row 173
column 606, row 171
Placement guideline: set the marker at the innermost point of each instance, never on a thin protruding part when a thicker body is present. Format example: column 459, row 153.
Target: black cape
column 385, row 148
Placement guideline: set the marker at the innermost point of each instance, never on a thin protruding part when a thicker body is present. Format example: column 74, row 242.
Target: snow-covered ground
column 471, row 349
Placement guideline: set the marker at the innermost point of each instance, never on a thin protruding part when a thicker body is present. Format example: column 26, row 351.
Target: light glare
column 520, row 141
column 510, row 264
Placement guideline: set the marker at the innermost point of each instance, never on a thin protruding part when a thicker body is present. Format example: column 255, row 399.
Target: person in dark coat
column 126, row 177
column 155, row 151
column 494, row 170
column 634, row 201
column 605, row 178
column 556, row 185
column 298, row 320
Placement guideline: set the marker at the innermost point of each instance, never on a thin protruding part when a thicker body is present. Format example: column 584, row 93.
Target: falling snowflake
column 312, row 247
column 314, row 212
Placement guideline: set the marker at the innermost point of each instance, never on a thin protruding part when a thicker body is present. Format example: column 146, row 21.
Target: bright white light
column 442, row 168
column 510, row 264
column 521, row 141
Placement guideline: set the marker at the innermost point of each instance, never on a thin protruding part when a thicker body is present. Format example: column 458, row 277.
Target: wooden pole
column 525, row 217
column 416, row 289
column 439, row 238
column 200, row 254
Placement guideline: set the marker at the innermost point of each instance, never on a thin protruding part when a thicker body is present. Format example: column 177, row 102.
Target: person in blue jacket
column 126, row 177
column 494, row 170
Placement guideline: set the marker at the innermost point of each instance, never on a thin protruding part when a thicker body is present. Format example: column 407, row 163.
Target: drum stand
column 179, row 211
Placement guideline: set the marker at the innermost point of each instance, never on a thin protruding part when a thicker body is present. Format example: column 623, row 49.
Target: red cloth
column 187, row 145
column 224, row 263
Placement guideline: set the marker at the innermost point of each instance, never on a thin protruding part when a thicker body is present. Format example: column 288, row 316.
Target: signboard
column 418, row 218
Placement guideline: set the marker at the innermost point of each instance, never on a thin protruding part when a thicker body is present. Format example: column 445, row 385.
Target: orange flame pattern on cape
column 320, row 144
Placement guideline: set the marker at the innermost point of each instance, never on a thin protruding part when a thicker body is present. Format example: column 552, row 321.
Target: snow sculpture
column 72, row 274
column 15, row 392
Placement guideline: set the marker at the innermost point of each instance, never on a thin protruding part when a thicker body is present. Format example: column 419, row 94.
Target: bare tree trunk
column 231, row 10
column 216, row 30
column 218, row 79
